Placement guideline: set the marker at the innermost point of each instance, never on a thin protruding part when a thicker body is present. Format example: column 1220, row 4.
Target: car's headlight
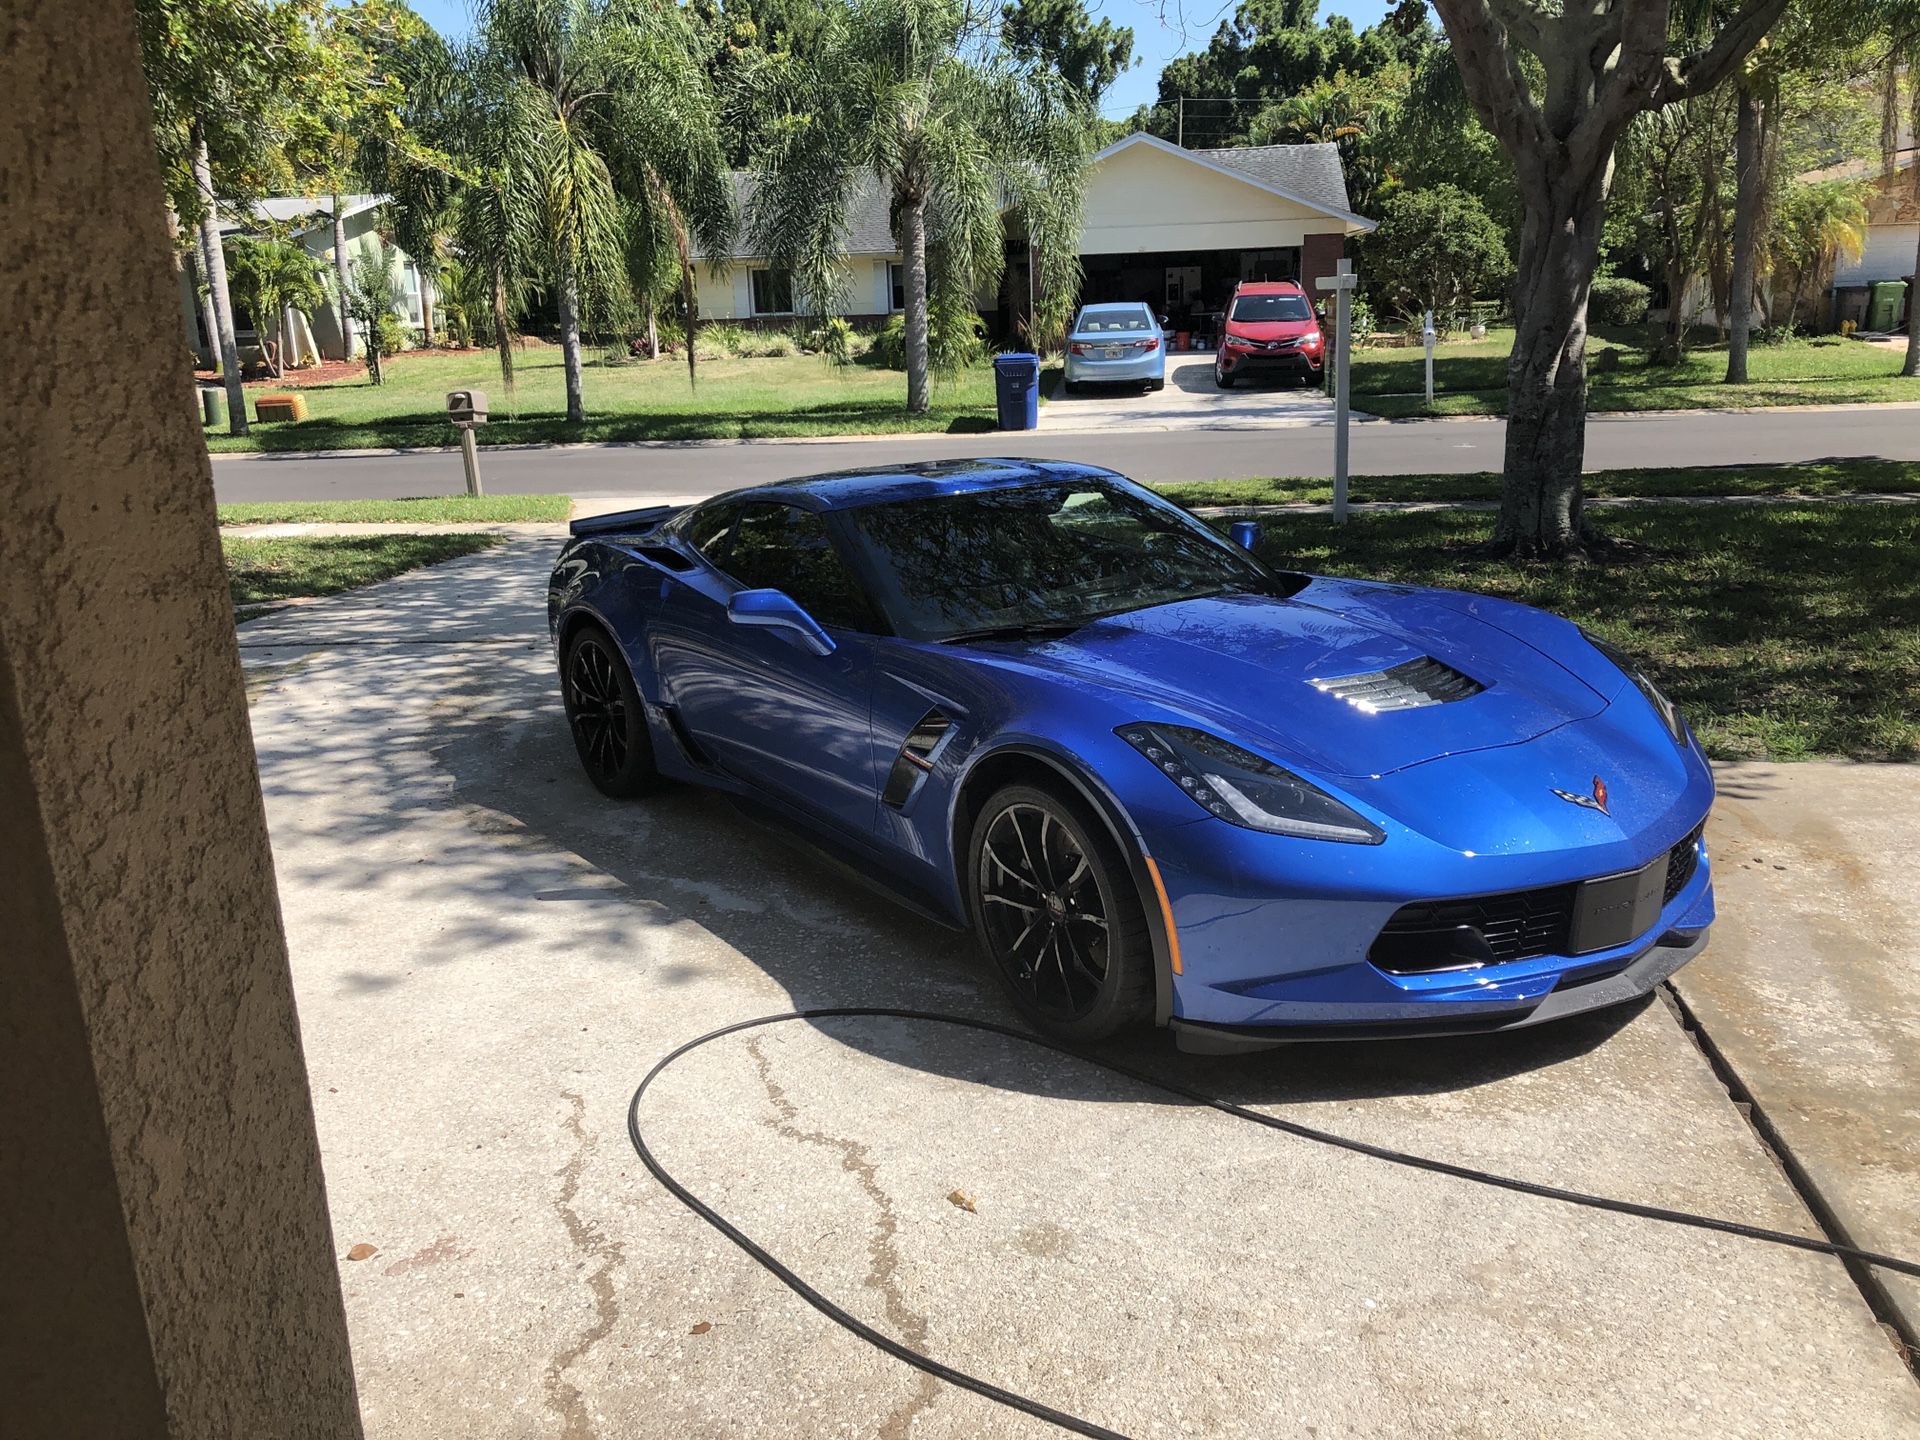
column 1668, row 712
column 1241, row 788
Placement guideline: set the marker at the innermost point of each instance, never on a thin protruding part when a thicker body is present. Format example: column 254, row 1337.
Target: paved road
column 681, row 470
column 488, row 956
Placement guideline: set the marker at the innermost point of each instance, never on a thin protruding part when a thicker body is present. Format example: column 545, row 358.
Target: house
column 1176, row 228
column 1893, row 232
column 308, row 223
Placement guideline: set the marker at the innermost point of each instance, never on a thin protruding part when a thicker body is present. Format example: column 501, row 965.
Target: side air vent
column 1406, row 686
column 915, row 758
column 663, row 557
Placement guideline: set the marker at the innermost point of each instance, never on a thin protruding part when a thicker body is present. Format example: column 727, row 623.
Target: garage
column 1180, row 228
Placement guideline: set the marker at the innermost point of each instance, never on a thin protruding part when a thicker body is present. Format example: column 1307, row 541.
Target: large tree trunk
column 206, row 346
column 344, row 279
column 1540, row 513
column 183, row 271
column 913, row 225
column 215, row 261
column 426, row 310
column 570, row 348
column 1746, row 232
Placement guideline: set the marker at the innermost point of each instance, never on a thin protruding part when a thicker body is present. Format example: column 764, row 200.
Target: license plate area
column 1617, row 908
column 1114, row 352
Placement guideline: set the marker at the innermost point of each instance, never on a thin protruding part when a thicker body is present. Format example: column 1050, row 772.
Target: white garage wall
column 1144, row 199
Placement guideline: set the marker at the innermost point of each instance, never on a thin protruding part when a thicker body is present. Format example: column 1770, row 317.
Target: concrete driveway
column 489, row 956
column 1190, row 401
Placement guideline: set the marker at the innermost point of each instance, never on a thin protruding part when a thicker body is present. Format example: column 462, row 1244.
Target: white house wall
column 728, row 294
column 1888, row 255
column 1144, row 199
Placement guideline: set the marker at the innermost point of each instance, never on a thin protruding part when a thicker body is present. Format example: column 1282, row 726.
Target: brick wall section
column 1317, row 257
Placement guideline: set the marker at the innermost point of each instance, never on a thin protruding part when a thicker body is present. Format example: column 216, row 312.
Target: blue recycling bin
column 1016, row 385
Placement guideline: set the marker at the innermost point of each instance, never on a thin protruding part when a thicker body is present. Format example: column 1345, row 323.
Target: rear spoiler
column 623, row 522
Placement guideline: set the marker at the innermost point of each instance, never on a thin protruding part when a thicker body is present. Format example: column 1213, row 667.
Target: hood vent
column 915, row 758
column 1409, row 685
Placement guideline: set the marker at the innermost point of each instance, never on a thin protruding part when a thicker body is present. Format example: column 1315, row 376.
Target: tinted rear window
column 1102, row 322
column 1261, row 308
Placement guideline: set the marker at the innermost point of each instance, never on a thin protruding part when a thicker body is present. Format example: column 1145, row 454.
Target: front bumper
column 1278, row 362
column 1267, row 961
column 1092, row 369
column 1572, row 996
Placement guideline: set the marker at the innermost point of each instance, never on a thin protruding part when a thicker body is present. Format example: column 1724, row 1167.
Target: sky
column 1162, row 29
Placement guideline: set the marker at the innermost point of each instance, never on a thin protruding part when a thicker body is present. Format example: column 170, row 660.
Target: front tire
column 1222, row 379
column 606, row 716
column 1057, row 915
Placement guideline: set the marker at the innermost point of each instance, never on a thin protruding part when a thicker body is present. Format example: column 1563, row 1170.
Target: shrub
column 721, row 339
column 1360, row 319
column 953, row 342
column 394, row 335
column 1616, row 300
column 836, row 340
column 775, row 347
column 1436, row 248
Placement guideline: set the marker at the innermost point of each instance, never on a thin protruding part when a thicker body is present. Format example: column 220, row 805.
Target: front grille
column 1434, row 935
column 1682, row 862
column 1519, row 925
column 1407, row 686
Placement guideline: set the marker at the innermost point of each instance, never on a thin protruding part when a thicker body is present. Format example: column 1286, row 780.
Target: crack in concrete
column 566, row 1400
column 883, row 1258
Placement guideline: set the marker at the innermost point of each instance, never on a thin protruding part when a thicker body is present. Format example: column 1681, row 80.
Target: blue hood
column 1244, row 666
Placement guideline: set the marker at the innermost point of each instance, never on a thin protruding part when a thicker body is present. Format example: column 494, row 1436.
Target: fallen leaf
column 702, row 1327
column 964, row 1201
column 363, row 1251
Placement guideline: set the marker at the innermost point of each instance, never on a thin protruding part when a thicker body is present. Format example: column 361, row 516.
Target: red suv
column 1270, row 330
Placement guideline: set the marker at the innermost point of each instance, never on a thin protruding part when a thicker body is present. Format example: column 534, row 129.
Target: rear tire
column 1159, row 384
column 606, row 716
column 1057, row 916
column 1069, row 387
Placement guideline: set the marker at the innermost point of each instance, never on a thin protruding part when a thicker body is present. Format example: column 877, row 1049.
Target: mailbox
column 467, row 407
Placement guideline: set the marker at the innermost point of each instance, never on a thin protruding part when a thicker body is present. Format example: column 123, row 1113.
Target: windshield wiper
column 1021, row 630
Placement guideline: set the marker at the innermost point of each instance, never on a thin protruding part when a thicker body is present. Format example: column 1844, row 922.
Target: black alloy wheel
column 605, row 714
column 1058, row 915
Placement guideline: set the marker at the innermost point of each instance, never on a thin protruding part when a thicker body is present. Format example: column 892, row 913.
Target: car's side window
column 710, row 531
column 781, row 547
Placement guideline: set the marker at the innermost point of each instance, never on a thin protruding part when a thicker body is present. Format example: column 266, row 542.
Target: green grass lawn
column 261, row 571
column 1783, row 632
column 430, row 510
column 1826, row 477
column 640, row 400
column 1470, row 377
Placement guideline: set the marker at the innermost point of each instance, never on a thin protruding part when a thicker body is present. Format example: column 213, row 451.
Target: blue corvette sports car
column 1158, row 779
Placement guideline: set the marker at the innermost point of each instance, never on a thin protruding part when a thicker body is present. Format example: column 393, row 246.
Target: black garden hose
column 1061, row 1418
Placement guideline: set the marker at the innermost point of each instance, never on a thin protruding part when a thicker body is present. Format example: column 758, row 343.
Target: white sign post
column 467, row 409
column 1428, row 337
column 1342, row 283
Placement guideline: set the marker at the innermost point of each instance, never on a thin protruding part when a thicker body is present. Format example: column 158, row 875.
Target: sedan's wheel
column 605, row 714
column 1057, row 915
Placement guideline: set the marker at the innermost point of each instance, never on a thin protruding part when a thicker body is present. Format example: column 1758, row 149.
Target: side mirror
column 777, row 610
column 1246, row 534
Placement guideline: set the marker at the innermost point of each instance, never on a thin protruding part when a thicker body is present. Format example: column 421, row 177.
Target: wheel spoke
column 1013, row 819
column 1007, row 869
column 1016, row 904
column 1046, row 854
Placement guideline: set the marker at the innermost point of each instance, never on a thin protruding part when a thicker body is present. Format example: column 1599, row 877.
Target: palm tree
column 1815, row 226
column 914, row 96
column 275, row 278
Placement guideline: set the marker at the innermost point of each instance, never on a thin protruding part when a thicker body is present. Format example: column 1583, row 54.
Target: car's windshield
column 1260, row 309
column 1041, row 556
column 1103, row 322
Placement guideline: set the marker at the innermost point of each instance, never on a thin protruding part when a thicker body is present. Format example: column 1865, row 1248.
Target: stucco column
column 164, row 1241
